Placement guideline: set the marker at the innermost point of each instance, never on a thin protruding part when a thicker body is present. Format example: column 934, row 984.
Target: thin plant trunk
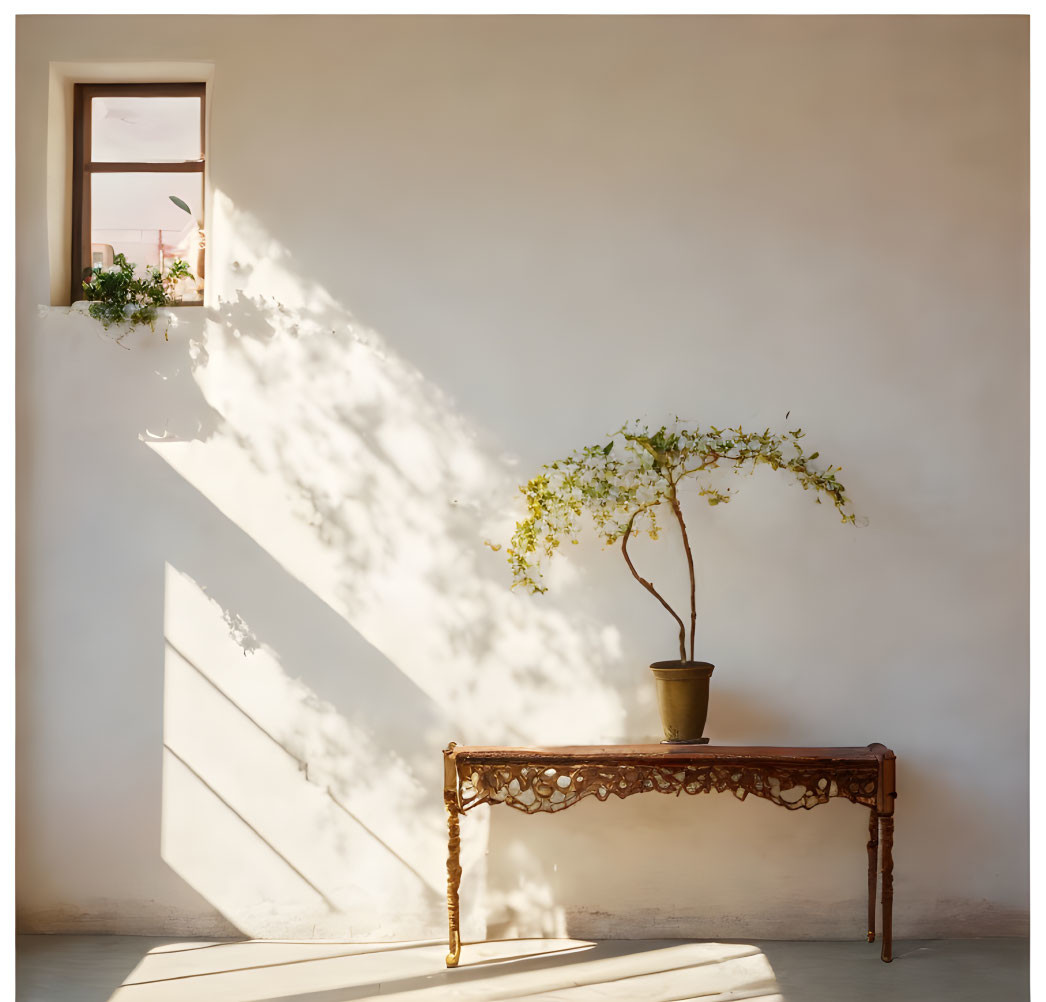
column 674, row 500
column 653, row 591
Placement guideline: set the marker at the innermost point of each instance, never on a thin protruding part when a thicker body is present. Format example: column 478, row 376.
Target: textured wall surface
column 253, row 597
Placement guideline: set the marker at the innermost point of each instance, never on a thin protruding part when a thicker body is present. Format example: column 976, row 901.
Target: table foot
column 455, row 951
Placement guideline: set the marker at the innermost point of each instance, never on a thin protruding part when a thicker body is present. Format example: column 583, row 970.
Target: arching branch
column 650, row 588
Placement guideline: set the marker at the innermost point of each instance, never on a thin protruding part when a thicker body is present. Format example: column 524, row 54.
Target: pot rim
column 671, row 670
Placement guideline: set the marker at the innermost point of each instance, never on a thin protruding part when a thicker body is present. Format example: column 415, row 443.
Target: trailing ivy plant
column 118, row 296
column 626, row 485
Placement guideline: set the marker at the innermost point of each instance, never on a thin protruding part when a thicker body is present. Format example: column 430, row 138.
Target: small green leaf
column 181, row 205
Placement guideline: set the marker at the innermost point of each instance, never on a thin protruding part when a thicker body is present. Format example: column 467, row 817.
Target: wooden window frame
column 84, row 167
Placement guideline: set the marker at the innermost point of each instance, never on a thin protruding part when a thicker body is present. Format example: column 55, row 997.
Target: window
column 138, row 160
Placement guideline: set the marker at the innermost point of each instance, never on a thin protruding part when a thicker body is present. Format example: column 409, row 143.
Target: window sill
column 184, row 316
column 82, row 306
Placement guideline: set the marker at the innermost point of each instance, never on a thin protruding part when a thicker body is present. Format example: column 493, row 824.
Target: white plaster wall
column 253, row 599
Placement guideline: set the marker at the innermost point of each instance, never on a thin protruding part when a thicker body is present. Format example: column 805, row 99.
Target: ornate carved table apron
column 553, row 779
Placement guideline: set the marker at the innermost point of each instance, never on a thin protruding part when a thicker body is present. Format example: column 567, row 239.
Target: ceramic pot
column 682, row 698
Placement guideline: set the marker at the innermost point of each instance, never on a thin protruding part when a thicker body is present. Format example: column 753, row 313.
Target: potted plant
column 199, row 241
column 117, row 296
column 624, row 487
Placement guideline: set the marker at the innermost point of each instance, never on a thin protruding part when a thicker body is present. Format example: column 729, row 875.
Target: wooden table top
column 668, row 753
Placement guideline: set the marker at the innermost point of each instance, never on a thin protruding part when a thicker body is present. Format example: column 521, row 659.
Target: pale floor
column 144, row 969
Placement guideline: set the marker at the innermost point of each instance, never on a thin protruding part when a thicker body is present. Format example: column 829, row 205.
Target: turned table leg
column 886, row 822
column 873, row 874
column 453, row 882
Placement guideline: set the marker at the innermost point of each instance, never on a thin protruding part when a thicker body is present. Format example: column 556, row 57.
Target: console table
column 553, row 779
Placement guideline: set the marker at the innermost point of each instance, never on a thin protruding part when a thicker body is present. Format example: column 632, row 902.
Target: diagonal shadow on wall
column 331, row 611
column 289, row 811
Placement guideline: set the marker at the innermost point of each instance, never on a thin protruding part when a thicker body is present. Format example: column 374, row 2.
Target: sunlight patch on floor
column 568, row 970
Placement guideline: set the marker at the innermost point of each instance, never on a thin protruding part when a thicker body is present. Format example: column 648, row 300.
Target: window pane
column 145, row 128
column 133, row 215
